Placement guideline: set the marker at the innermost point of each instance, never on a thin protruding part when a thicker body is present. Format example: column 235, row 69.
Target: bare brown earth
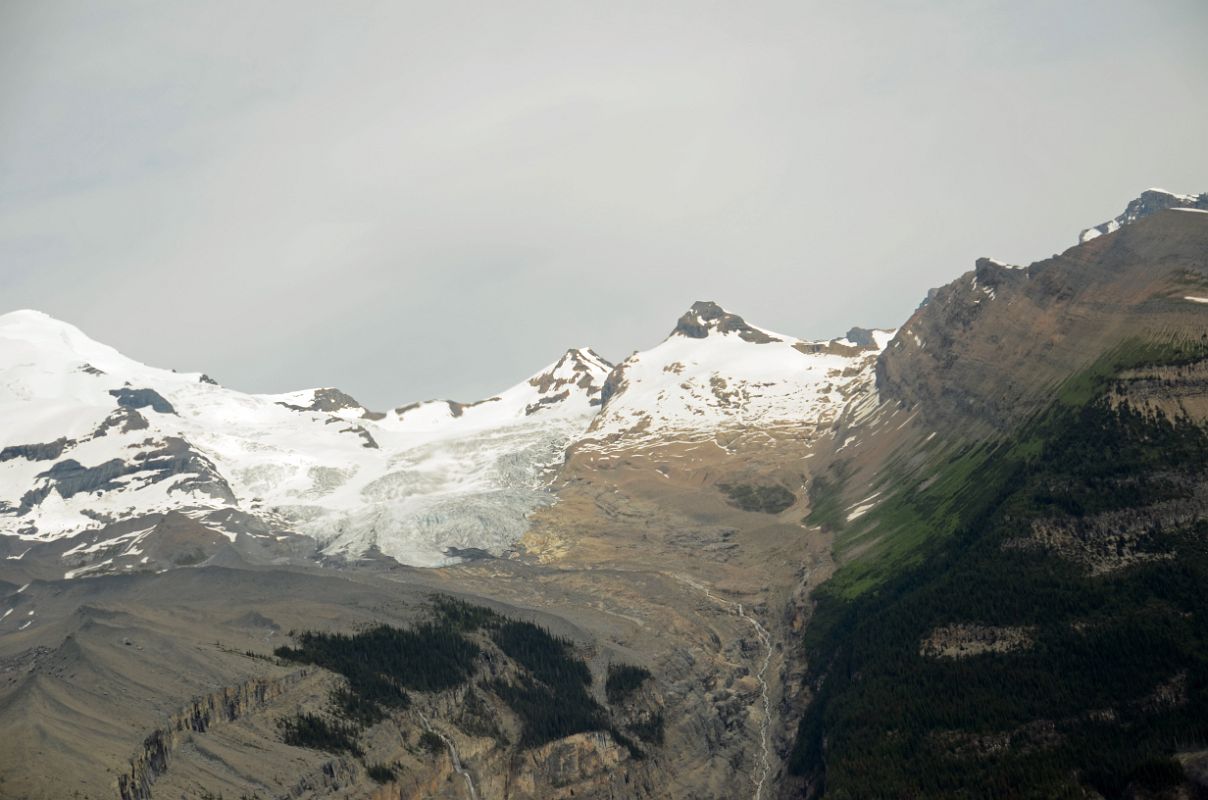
column 658, row 513
column 643, row 560
column 157, row 686
column 962, row 359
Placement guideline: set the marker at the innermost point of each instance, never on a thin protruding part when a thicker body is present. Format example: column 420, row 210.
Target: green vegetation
column 431, row 742
column 356, row 708
column 963, row 481
column 552, row 699
column 898, row 531
column 1116, row 679
column 545, row 718
column 1089, row 384
column 649, row 731
column 550, row 659
column 382, row 664
column 459, row 615
column 769, row 498
column 379, row 665
column 382, row 773
column 635, row 752
column 826, row 499
column 477, row 718
column 623, row 680
column 317, row 733
column 189, row 559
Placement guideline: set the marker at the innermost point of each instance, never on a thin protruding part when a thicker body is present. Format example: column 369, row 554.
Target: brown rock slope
column 994, row 347
column 163, row 686
column 988, row 349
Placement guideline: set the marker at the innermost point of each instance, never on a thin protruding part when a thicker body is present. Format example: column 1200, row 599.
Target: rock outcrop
column 225, row 705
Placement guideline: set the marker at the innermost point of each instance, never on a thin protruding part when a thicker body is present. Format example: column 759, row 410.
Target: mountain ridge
column 988, row 497
column 325, row 468
column 314, row 465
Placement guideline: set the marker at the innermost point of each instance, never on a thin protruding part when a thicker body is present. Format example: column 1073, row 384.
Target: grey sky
column 413, row 200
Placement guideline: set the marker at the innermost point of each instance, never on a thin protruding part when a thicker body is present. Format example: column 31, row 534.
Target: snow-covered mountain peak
column 91, row 439
column 95, row 447
column 579, row 371
column 569, row 388
column 1148, row 202
column 717, row 372
column 43, row 357
column 27, row 335
column 30, row 319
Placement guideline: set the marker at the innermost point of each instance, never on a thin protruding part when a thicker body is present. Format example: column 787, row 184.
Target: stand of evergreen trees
column 382, row 773
column 1082, row 707
column 381, row 664
column 623, row 680
column 552, row 700
column 319, row 733
column 763, row 498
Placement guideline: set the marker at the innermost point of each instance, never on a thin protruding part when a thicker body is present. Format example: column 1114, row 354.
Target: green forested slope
column 1047, row 635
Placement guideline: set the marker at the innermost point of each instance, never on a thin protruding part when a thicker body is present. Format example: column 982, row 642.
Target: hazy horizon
column 411, row 202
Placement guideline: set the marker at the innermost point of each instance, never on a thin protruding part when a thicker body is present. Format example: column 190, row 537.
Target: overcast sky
column 434, row 199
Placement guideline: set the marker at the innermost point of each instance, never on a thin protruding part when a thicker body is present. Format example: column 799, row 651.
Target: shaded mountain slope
column 990, row 351
column 1020, row 607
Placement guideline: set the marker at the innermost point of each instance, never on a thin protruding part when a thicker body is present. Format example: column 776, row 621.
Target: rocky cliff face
column 964, row 357
column 706, row 316
column 222, row 706
column 1147, row 203
column 992, row 349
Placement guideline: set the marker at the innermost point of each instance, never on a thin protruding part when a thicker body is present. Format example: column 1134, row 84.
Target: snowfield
column 136, row 439
column 95, row 448
column 726, row 375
